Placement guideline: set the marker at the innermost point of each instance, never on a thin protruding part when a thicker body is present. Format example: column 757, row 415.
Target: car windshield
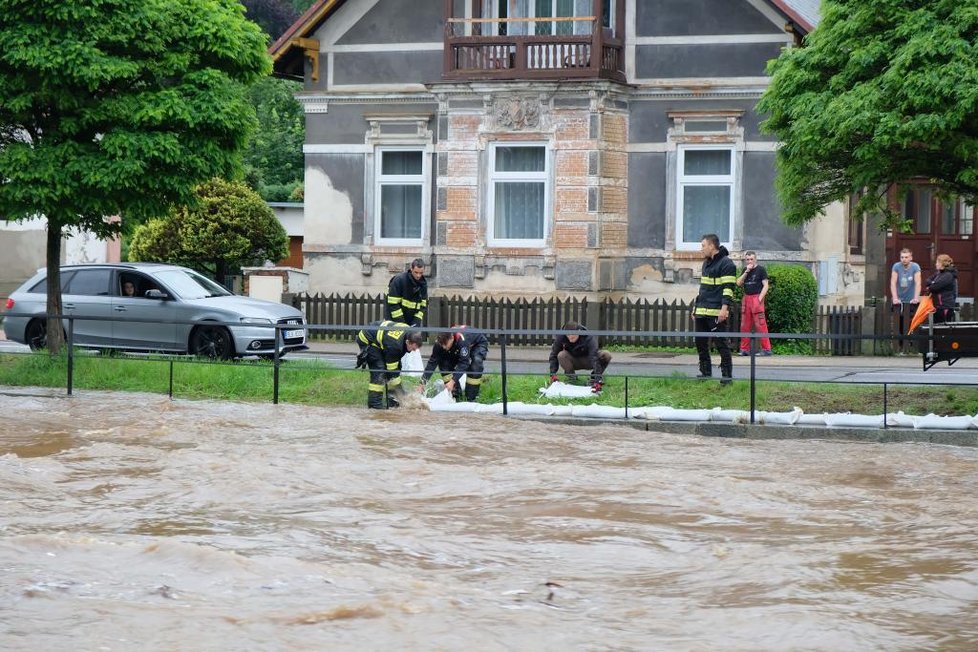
column 191, row 285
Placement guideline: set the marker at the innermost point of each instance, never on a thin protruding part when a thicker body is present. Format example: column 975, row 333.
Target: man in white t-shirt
column 904, row 295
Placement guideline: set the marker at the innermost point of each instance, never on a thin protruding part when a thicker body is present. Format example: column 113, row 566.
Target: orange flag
column 924, row 308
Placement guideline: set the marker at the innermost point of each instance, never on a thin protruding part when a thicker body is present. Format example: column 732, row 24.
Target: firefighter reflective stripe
column 374, row 387
column 407, row 303
column 446, row 377
column 419, row 315
column 363, row 337
column 707, row 312
column 392, row 366
column 718, row 280
column 393, row 300
column 394, row 382
column 473, row 381
column 727, row 292
column 397, row 313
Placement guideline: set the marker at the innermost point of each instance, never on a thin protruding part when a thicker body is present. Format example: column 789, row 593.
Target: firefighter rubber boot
column 471, row 392
column 375, row 400
column 726, row 374
column 706, row 371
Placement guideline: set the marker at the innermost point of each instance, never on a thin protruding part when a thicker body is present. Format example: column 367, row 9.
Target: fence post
column 436, row 318
column 502, row 361
column 592, row 311
column 71, row 353
column 278, row 334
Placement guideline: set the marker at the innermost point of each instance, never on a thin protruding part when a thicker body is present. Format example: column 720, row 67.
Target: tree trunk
column 221, row 271
column 55, row 330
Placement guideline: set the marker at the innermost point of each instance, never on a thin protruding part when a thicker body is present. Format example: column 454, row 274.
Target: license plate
column 292, row 334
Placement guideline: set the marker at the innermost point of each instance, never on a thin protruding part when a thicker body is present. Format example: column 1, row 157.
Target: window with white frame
column 515, row 10
column 519, row 194
column 400, row 195
column 705, row 194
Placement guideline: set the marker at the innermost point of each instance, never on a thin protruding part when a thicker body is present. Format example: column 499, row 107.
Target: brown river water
column 133, row 522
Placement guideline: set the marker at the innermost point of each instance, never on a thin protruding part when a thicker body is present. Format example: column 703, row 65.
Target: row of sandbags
column 444, row 403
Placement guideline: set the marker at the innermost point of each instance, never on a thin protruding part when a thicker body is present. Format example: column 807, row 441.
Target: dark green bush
column 790, row 305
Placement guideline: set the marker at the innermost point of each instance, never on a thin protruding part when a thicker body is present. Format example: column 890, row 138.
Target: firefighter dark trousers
column 718, row 330
column 382, row 380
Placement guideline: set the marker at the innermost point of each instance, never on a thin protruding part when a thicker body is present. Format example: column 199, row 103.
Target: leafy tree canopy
column 273, row 160
column 883, row 91
column 119, row 107
column 273, row 16
column 228, row 226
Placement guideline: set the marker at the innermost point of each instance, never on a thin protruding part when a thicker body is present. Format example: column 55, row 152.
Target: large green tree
column 229, row 225
column 118, row 107
column 882, row 91
column 274, row 164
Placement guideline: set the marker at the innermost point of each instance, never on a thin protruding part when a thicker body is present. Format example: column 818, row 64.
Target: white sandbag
column 677, row 414
column 444, row 397
column 636, row 413
column 935, row 422
column 811, row 419
column 563, row 390
column 454, row 407
column 518, row 408
column 654, row 412
column 849, row 420
column 495, row 408
column 411, row 364
column 563, row 410
column 778, row 418
column 598, row 411
column 899, row 420
column 731, row 416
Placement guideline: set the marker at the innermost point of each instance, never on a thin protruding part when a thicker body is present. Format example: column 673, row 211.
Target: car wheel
column 212, row 342
column 36, row 334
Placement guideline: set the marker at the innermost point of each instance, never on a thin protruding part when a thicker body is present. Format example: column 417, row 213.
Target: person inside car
column 128, row 288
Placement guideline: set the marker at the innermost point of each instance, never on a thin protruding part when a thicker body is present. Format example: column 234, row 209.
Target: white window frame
column 381, row 180
column 494, row 177
column 683, row 181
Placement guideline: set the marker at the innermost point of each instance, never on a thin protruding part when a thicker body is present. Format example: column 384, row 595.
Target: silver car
column 221, row 324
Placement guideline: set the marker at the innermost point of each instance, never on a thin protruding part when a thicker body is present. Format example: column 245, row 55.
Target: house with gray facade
column 547, row 147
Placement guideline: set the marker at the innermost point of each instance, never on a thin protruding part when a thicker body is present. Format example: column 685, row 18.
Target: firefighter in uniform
column 459, row 351
column 711, row 311
column 382, row 345
column 407, row 295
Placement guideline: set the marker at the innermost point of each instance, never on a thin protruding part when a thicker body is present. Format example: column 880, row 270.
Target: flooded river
column 130, row 522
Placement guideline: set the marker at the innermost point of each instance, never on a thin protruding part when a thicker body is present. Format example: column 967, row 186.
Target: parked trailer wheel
column 212, row 342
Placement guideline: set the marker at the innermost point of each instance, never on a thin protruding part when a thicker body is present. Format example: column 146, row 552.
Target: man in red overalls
column 755, row 284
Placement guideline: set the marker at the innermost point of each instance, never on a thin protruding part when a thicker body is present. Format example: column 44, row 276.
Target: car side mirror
column 156, row 294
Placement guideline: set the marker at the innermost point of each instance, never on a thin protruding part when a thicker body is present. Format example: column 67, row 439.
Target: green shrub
column 790, row 305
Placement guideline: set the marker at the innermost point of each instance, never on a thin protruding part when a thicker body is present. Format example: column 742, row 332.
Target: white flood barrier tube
column 444, row 402
column 849, row 420
column 779, row 418
column 935, row 422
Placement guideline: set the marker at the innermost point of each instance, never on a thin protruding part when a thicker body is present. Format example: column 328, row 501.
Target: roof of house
column 804, row 12
column 287, row 50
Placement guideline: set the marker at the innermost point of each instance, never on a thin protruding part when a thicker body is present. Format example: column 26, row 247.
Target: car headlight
column 255, row 320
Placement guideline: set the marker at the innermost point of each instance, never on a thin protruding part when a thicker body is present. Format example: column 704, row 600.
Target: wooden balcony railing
column 593, row 54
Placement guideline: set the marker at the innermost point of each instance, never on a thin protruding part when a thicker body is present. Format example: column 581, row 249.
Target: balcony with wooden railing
column 541, row 48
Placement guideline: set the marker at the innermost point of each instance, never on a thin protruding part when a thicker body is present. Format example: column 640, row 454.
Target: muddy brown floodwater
column 132, row 522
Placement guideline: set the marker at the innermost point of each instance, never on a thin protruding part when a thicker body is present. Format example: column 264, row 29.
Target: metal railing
column 502, row 338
